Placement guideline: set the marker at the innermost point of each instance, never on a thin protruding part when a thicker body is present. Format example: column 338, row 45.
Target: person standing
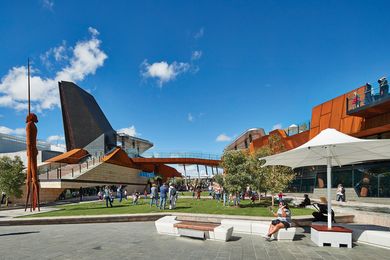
column 153, row 195
column 172, row 196
column 3, row 196
column 107, row 196
column 163, row 195
column 340, row 193
column 198, row 190
column 119, row 193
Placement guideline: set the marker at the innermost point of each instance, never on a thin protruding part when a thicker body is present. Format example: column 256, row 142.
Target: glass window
column 372, row 180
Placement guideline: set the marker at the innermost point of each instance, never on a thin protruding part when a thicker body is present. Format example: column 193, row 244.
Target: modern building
column 364, row 113
column 12, row 146
column 243, row 141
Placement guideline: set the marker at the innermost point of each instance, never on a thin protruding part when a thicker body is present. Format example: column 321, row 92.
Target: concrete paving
column 139, row 240
column 12, row 213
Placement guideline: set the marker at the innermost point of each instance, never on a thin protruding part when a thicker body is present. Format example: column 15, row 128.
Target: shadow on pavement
column 18, row 233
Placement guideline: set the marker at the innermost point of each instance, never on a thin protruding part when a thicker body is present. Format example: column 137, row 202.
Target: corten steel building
column 363, row 113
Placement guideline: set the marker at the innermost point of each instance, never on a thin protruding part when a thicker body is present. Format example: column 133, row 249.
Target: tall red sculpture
column 32, row 153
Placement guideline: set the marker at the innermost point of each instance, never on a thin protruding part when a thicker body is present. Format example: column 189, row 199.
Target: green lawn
column 206, row 206
column 189, row 193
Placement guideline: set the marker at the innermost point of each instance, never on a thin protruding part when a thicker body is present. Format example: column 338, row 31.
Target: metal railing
column 181, row 155
column 58, row 171
column 368, row 96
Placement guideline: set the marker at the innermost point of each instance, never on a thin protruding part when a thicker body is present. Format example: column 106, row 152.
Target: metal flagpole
column 329, row 185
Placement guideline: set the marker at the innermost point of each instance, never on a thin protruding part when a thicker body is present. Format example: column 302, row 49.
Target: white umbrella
column 331, row 147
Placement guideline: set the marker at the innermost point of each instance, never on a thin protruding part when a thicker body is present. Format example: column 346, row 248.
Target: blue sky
column 182, row 73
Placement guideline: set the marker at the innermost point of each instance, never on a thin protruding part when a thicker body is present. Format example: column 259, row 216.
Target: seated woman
column 322, row 214
column 283, row 219
column 306, row 201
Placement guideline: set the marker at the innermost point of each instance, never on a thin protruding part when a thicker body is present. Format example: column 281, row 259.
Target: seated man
column 306, row 201
column 283, row 220
column 322, row 214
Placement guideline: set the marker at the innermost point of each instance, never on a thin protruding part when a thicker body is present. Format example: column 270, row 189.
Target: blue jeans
column 108, row 199
column 163, row 201
column 154, row 200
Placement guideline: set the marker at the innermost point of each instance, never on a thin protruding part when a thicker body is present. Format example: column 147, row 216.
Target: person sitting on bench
column 283, row 219
column 306, row 201
column 322, row 214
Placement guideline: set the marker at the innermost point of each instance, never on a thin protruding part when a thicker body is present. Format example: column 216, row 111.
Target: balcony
column 368, row 102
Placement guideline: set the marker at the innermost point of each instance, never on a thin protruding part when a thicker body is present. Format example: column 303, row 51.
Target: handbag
column 275, row 222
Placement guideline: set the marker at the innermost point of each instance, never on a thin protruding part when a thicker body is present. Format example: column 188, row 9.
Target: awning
column 71, row 157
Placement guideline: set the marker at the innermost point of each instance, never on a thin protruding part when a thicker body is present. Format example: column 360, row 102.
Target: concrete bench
column 374, row 236
column 286, row 234
column 165, row 225
column 239, row 226
column 259, row 228
column 170, row 226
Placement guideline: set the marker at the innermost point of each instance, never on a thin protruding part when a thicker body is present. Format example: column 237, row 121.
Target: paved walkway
column 8, row 214
column 139, row 240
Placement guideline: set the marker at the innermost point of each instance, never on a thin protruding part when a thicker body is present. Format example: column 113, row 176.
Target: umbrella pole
column 329, row 187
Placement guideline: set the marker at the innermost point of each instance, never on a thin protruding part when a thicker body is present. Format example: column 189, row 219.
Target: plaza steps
column 350, row 193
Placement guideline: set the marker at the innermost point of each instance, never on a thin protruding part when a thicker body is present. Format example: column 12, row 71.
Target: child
column 135, row 198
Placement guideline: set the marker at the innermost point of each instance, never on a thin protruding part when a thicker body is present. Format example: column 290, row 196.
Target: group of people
column 369, row 96
column 166, row 193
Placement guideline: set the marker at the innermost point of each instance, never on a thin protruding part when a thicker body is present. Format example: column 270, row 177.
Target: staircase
column 350, row 193
column 71, row 171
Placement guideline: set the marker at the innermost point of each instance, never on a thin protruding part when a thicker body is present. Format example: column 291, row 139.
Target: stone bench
column 260, row 228
column 204, row 230
column 165, row 225
column 374, row 236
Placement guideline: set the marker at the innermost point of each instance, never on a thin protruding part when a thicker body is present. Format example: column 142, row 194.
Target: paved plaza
column 139, row 240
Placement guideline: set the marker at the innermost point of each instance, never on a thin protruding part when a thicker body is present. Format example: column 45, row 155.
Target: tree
column 220, row 179
column 236, row 167
column 11, row 176
column 257, row 172
column 277, row 178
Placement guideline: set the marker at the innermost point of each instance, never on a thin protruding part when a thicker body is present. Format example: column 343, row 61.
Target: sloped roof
column 71, row 157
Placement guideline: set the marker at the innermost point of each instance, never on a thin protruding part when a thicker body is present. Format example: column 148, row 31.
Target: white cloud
column 59, row 53
column 223, row 138
column 190, row 117
column 93, row 31
column 196, row 55
column 199, row 34
column 162, row 71
column 9, row 131
column 55, row 139
column 48, row 4
column 277, row 126
column 129, row 131
column 58, row 147
column 85, row 59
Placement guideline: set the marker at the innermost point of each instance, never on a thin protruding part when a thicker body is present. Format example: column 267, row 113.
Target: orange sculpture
column 32, row 153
